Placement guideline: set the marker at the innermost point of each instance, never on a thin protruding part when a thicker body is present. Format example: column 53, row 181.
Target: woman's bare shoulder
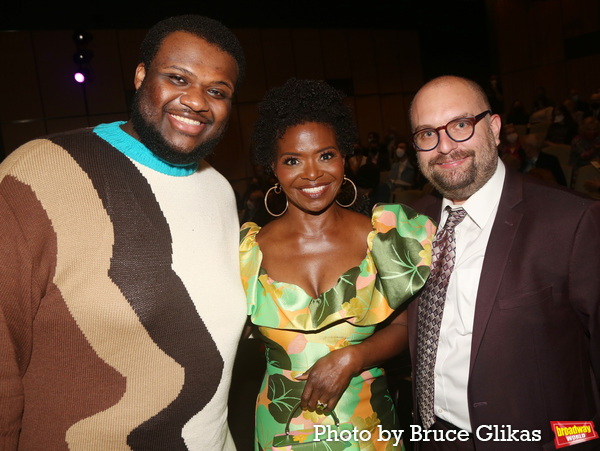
column 358, row 222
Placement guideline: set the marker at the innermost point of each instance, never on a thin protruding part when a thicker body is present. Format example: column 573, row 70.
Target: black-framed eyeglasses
column 458, row 130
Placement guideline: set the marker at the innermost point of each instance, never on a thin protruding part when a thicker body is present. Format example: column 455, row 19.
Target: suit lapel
column 497, row 252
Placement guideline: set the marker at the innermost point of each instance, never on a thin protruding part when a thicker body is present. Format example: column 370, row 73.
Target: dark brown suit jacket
column 536, row 331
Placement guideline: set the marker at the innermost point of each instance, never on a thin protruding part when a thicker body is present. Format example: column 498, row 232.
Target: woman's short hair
column 300, row 102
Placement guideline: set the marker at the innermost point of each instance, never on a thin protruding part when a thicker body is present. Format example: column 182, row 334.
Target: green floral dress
column 298, row 330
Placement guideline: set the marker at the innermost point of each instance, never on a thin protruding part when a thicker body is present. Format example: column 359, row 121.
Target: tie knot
column 454, row 217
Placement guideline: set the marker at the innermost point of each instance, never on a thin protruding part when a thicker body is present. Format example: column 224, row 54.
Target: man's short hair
column 212, row 31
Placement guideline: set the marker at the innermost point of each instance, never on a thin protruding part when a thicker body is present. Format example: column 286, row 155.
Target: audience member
column 595, row 105
column 402, row 174
column 576, row 115
column 370, row 189
column 563, row 128
column 581, row 106
column 493, row 91
column 586, row 145
column 254, row 208
column 542, row 101
column 511, row 151
column 518, row 343
column 378, row 152
column 391, row 141
column 536, row 159
column 121, row 305
column 517, row 114
column 592, row 186
column 359, row 157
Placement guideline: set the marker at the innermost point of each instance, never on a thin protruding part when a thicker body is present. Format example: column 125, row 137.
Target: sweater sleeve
column 27, row 263
column 15, row 325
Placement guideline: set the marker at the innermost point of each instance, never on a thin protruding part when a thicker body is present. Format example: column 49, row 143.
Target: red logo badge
column 569, row 433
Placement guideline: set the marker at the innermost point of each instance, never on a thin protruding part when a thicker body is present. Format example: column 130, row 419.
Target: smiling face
column 309, row 166
column 457, row 170
column 183, row 100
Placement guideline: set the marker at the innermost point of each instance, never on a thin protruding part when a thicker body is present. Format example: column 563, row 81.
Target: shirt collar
column 484, row 202
column 134, row 149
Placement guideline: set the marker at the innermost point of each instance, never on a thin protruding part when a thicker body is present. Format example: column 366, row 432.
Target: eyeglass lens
column 457, row 130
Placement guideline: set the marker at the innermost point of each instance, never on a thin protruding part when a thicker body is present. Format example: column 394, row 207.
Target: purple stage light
column 79, row 77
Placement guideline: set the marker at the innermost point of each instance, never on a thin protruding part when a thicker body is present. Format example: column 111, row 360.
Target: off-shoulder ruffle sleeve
column 401, row 250
column 394, row 270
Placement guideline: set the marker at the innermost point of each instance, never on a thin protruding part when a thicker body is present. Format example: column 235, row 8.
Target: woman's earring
column 346, row 179
column 277, row 189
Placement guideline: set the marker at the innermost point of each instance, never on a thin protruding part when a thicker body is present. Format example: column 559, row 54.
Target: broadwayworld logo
column 569, row 433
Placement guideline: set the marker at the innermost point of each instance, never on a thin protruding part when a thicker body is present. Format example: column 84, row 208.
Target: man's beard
column 460, row 184
column 153, row 140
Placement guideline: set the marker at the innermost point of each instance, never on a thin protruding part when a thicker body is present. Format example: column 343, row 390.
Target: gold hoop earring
column 278, row 190
column 346, row 179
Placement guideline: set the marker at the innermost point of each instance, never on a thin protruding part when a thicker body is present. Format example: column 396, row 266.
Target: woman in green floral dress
column 322, row 280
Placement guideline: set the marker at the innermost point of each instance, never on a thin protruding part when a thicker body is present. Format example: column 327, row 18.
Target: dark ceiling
column 403, row 14
column 453, row 34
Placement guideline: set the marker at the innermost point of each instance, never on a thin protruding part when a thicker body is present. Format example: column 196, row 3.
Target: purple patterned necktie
column 431, row 309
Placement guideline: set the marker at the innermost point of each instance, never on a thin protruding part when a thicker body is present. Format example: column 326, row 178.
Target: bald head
column 449, row 82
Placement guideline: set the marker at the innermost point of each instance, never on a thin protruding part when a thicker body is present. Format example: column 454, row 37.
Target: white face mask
column 400, row 152
column 512, row 137
column 558, row 118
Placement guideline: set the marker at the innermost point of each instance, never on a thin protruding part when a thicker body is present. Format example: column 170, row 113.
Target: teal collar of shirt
column 132, row 148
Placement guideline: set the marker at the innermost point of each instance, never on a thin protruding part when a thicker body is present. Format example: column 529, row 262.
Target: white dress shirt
column 454, row 349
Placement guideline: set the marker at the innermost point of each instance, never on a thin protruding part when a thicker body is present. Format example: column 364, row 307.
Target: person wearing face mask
column 402, row 173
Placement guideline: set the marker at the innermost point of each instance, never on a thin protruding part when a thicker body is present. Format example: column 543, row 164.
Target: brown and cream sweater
column 121, row 304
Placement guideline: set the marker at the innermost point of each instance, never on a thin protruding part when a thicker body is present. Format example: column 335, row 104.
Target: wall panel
column 64, row 124
column 410, row 67
column 105, row 92
column 531, row 39
column 387, row 61
column 362, row 57
column 336, row 54
column 230, row 154
column 394, row 113
column 545, row 36
column 368, row 116
column 255, row 84
column 512, row 25
column 278, row 54
column 584, row 74
column 61, row 95
column 15, row 134
column 18, row 80
column 308, row 54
